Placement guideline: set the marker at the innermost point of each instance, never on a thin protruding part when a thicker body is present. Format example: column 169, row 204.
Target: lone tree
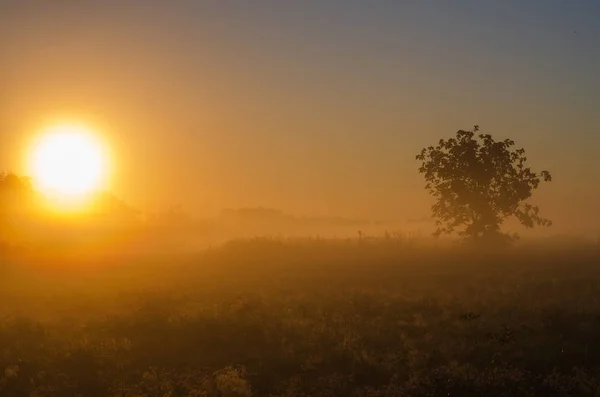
column 478, row 183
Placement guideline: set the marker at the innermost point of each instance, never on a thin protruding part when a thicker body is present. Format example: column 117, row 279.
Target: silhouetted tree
column 109, row 207
column 478, row 183
column 15, row 193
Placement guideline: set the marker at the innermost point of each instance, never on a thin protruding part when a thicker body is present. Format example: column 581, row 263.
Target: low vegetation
column 303, row 318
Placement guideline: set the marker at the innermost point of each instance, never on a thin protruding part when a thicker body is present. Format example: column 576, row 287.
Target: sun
column 68, row 162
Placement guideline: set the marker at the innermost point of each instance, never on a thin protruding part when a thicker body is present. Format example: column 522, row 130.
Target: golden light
column 68, row 162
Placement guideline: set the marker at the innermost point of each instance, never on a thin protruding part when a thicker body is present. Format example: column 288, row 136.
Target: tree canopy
column 15, row 192
column 478, row 183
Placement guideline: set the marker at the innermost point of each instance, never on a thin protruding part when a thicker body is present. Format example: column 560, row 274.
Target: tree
column 15, row 193
column 477, row 184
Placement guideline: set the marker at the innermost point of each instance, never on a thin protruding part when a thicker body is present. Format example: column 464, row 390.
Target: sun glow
column 68, row 162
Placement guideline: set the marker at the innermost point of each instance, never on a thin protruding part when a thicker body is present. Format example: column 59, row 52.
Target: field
column 302, row 318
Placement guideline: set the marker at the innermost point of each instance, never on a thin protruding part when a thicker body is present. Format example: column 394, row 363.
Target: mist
column 278, row 199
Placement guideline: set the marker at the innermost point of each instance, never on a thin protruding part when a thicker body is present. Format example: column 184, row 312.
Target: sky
column 312, row 107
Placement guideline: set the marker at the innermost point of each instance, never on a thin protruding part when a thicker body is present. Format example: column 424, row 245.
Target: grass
column 303, row 318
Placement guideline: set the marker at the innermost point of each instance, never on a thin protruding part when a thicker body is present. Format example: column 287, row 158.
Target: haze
column 299, row 198
column 315, row 108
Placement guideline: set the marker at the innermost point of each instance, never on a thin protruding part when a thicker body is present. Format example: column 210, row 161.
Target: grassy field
column 302, row 318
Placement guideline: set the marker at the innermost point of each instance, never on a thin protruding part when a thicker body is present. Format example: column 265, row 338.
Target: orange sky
column 313, row 112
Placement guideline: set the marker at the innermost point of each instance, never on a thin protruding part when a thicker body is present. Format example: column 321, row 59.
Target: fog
column 268, row 198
